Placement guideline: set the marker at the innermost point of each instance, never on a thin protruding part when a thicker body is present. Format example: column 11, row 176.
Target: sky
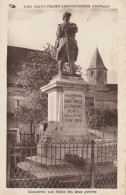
column 34, row 28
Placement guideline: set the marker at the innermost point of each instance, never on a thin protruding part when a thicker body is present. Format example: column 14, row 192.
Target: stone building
column 17, row 57
column 101, row 94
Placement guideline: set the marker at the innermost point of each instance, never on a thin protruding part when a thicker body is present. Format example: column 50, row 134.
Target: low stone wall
column 103, row 134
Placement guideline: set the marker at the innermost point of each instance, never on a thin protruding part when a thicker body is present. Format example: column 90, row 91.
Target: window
column 17, row 100
column 92, row 73
column 17, row 103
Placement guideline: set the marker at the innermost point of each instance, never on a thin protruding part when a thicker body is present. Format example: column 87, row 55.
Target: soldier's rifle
column 67, row 48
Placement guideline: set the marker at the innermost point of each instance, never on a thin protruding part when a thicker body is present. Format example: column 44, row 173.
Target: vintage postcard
column 63, row 89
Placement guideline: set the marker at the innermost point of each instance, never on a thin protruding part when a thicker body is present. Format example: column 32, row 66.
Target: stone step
column 51, row 171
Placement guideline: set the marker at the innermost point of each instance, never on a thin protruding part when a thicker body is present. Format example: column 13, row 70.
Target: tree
column 98, row 118
column 38, row 72
column 35, row 74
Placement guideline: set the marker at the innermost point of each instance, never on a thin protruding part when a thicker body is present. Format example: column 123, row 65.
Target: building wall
column 105, row 104
column 101, row 99
column 14, row 98
column 101, row 77
column 105, row 95
column 105, row 99
column 12, row 122
column 97, row 77
column 92, row 75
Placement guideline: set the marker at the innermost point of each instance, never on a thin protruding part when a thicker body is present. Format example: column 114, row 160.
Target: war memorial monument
column 66, row 91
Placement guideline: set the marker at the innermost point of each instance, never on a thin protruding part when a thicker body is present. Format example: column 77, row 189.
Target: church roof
column 96, row 61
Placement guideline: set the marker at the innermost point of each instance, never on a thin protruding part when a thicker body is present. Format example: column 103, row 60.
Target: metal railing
column 87, row 164
column 27, row 139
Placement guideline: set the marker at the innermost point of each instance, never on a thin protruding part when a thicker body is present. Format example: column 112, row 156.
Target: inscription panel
column 52, row 106
column 73, row 108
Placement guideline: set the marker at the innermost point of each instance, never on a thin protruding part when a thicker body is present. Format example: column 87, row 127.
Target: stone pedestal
column 66, row 115
column 66, row 108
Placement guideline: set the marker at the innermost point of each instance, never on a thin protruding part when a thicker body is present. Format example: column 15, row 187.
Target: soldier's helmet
column 66, row 14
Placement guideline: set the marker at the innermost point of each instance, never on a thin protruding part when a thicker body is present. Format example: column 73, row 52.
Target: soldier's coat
column 61, row 42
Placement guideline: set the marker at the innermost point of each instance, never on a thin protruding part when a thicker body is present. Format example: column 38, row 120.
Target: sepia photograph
column 62, row 98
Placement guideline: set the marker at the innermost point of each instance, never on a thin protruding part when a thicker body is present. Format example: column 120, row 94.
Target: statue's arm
column 74, row 28
column 59, row 32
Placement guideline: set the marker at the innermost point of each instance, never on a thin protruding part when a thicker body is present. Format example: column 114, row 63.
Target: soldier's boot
column 60, row 67
column 72, row 69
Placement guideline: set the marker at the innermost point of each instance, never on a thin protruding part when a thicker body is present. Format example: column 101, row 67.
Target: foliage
column 35, row 74
column 97, row 118
column 75, row 159
column 27, row 139
column 39, row 71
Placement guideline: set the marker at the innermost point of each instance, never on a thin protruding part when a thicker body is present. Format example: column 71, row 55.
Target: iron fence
column 27, row 139
column 87, row 164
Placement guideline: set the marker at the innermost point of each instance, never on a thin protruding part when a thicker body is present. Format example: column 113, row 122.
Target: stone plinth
column 66, row 108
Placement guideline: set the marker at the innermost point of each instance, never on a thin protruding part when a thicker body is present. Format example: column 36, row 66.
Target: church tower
column 97, row 72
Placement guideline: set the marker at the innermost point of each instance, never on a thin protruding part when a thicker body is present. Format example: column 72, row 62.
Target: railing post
column 20, row 136
column 8, row 164
column 24, row 139
column 92, row 164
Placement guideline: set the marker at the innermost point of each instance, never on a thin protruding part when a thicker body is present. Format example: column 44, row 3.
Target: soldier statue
column 67, row 49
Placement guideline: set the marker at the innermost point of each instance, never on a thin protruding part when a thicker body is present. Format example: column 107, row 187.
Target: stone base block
column 52, row 151
column 56, row 147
